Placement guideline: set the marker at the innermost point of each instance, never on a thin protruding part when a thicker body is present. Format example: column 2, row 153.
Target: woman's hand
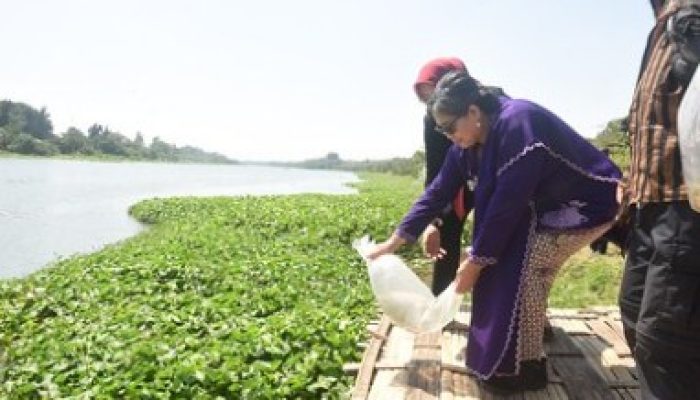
column 386, row 247
column 431, row 243
column 467, row 275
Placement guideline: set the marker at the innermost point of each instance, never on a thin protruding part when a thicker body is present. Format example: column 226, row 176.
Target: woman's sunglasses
column 448, row 130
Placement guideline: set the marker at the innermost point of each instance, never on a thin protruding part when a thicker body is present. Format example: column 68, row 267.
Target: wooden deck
column 587, row 359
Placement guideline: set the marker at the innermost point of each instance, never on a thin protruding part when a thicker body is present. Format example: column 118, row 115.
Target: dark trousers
column 660, row 300
column 599, row 245
column 445, row 269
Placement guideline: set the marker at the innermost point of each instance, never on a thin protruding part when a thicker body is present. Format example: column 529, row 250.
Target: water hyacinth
column 222, row 298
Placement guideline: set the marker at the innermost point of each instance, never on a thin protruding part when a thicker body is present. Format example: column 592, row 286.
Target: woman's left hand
column 431, row 243
column 467, row 274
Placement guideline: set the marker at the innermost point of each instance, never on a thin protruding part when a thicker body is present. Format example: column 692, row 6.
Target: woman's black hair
column 457, row 90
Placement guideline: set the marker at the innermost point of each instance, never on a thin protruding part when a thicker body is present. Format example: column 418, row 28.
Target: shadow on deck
column 587, row 359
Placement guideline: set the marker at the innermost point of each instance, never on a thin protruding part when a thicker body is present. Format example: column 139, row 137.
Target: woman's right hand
column 431, row 243
column 386, row 247
column 467, row 275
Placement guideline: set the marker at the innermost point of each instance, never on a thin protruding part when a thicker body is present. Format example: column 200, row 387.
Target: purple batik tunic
column 534, row 176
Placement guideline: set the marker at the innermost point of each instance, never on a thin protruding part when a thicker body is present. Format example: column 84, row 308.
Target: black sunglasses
column 449, row 129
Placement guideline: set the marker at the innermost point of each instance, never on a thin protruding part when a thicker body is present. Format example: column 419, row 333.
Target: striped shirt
column 655, row 167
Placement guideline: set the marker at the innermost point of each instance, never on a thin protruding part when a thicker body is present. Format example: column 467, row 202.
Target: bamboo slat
column 587, row 359
column 364, row 376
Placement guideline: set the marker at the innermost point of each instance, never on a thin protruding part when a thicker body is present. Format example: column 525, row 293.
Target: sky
column 292, row 80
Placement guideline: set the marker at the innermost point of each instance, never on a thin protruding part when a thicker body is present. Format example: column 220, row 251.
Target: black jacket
column 436, row 146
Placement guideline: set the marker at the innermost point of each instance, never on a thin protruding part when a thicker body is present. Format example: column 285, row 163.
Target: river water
column 55, row 208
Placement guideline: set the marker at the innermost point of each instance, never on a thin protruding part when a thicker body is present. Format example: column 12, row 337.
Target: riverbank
column 239, row 297
column 105, row 158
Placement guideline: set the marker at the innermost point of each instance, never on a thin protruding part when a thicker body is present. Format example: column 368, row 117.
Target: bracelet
column 483, row 261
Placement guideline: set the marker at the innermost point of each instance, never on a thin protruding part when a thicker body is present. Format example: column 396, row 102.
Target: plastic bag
column 689, row 139
column 403, row 297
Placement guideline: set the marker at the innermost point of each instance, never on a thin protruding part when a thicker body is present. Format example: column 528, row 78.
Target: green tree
column 616, row 141
column 333, row 157
column 5, row 138
column 161, row 150
column 74, row 141
column 23, row 118
column 113, row 143
column 95, row 131
column 26, row 130
column 138, row 140
column 24, row 143
column 39, row 124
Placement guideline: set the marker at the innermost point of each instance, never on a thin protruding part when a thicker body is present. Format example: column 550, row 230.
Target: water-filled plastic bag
column 403, row 297
column 689, row 139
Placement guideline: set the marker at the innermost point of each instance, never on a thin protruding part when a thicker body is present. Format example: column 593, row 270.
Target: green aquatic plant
column 221, row 298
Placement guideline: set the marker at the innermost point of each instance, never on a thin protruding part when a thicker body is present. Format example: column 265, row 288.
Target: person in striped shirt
column 660, row 291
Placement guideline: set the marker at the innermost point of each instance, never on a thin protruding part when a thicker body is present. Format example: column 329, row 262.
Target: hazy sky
column 289, row 80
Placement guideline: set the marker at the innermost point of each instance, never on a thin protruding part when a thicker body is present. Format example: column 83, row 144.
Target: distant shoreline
column 107, row 158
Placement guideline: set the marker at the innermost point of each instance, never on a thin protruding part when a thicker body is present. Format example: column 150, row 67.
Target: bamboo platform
column 587, row 359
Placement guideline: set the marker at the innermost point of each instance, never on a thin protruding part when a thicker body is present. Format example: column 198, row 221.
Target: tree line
column 26, row 130
column 613, row 139
column 411, row 166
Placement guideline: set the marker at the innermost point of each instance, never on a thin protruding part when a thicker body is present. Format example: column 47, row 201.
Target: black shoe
column 503, row 385
column 532, row 376
column 534, row 373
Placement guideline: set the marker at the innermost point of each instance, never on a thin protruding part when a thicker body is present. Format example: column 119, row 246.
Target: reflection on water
column 55, row 208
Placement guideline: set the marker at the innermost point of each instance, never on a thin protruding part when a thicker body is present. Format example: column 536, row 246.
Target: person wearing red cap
column 442, row 239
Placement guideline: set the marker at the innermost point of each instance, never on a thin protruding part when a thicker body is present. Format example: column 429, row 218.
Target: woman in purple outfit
column 541, row 193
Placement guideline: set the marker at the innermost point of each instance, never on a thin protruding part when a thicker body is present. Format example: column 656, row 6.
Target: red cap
column 435, row 69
